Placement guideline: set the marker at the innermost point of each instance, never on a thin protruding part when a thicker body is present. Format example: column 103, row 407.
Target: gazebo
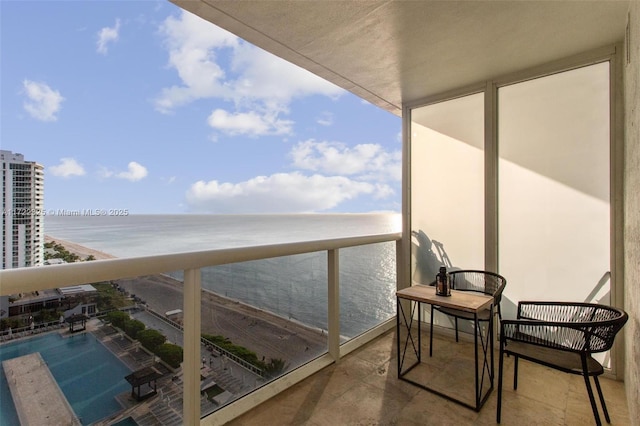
column 145, row 376
column 76, row 319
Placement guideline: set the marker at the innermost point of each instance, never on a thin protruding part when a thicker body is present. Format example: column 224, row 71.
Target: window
column 447, row 196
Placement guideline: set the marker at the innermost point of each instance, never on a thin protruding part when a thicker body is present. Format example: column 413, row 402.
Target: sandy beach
column 268, row 335
column 78, row 249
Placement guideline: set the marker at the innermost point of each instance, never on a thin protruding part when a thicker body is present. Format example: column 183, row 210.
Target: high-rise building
column 22, row 184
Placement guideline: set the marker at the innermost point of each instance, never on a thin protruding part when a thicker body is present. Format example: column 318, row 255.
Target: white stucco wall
column 632, row 212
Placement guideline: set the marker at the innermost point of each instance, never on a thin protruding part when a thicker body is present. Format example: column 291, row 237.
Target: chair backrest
column 594, row 326
column 486, row 282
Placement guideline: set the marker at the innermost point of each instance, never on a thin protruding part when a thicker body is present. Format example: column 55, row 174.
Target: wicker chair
column 485, row 282
column 562, row 336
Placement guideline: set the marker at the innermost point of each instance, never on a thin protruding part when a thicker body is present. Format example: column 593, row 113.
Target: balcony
column 349, row 380
column 185, row 391
column 363, row 388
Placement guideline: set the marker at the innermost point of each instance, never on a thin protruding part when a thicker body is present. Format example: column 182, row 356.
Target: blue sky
column 139, row 105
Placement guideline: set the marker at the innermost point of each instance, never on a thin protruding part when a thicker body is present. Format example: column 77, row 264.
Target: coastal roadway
column 266, row 334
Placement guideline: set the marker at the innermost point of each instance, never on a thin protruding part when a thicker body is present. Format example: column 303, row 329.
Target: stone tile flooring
column 363, row 389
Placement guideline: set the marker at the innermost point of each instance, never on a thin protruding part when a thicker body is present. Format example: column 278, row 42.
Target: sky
column 141, row 106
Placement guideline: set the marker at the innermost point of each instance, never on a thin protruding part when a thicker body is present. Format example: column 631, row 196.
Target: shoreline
column 269, row 335
column 79, row 249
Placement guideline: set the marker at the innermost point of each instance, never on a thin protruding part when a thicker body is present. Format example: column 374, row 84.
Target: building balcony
column 321, row 266
column 363, row 388
column 344, row 380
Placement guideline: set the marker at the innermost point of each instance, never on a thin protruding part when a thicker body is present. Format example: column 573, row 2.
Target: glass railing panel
column 367, row 287
column 284, row 306
column 260, row 319
column 85, row 346
column 159, row 302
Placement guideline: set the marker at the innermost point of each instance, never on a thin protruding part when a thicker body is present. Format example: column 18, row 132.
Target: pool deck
column 36, row 395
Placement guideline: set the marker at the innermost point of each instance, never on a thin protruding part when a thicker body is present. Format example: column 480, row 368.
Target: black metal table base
column 416, row 345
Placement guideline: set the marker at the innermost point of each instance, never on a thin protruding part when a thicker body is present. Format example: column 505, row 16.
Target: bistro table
column 462, row 300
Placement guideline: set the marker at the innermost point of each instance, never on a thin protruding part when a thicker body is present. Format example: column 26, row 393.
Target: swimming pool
column 89, row 375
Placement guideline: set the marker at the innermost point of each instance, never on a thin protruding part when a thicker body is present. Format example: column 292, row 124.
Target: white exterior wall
column 631, row 70
column 6, row 179
column 30, row 233
column 35, row 235
column 37, row 248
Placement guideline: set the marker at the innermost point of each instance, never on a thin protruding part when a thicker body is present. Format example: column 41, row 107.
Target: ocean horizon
column 293, row 287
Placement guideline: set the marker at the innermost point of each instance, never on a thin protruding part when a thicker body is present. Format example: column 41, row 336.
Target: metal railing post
column 333, row 282
column 191, row 363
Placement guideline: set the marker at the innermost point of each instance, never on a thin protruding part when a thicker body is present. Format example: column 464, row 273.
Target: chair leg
column 500, row 367
column 585, row 374
column 456, row 329
column 604, row 406
column 515, row 372
column 431, row 334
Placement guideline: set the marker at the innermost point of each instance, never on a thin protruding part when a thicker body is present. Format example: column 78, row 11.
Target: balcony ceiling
column 394, row 52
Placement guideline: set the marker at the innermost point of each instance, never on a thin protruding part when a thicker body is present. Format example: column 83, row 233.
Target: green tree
column 239, row 351
column 275, row 367
column 245, row 354
column 132, row 327
column 170, row 353
column 117, row 318
column 47, row 315
column 104, row 301
column 14, row 323
column 151, row 339
column 218, row 340
column 109, row 298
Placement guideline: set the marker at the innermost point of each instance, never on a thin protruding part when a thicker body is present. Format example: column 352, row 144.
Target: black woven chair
column 562, row 336
column 488, row 283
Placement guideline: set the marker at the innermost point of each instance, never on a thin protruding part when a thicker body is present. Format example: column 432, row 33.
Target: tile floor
column 363, row 389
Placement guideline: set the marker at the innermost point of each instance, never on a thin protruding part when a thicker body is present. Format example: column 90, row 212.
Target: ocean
column 293, row 287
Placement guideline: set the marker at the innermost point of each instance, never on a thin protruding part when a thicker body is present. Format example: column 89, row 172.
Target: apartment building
column 22, row 184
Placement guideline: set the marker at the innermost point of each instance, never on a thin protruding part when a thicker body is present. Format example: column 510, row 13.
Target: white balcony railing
column 13, row 281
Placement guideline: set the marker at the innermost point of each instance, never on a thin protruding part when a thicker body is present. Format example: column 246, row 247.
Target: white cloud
column 278, row 193
column 108, row 35
column 340, row 174
column 382, row 191
column 248, row 123
column 192, row 43
column 255, row 81
column 134, row 173
column 325, row 119
column 68, row 167
column 367, row 161
column 267, row 78
column 43, row 102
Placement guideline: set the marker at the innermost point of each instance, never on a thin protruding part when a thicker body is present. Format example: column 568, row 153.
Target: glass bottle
column 443, row 287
